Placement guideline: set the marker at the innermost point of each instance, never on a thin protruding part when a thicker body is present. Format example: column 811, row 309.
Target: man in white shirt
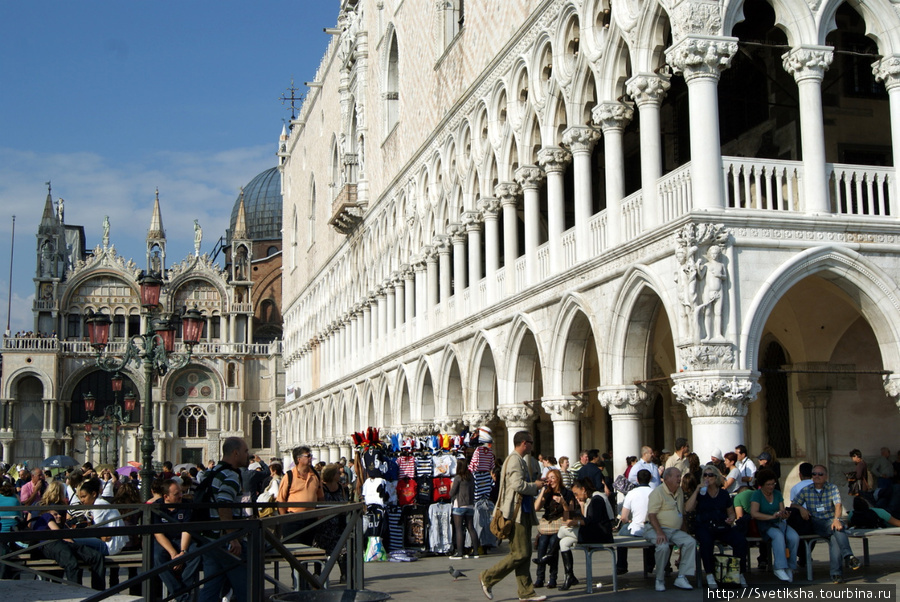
column 746, row 466
column 645, row 464
column 634, row 515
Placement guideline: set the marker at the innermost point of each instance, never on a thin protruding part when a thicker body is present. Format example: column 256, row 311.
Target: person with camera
column 767, row 508
column 715, row 522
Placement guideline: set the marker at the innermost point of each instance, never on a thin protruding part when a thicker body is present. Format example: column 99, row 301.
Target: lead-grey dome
column 262, row 207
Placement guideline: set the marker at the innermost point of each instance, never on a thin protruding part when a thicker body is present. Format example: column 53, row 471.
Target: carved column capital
column 701, row 56
column 450, row 425
column 476, row 418
column 457, row 233
column 508, row 193
column 554, row 159
column 580, row 139
column 647, row 88
column 612, row 115
column 622, row 400
column 887, row 70
column 418, row 262
column 407, row 272
column 529, row 176
column 808, row 62
column 566, row 407
column 442, row 244
column 892, row 388
column 518, row 416
column 716, row 393
column 489, row 207
column 472, row 220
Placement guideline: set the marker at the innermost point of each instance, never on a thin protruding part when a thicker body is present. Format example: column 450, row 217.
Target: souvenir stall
column 405, row 483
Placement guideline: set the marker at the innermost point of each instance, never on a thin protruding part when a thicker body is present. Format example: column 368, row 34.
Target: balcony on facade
column 84, row 349
column 348, row 214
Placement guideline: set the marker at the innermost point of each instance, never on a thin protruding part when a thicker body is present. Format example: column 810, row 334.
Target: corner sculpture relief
column 702, row 281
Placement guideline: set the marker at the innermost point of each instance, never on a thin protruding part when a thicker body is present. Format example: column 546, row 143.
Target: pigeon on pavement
column 456, row 573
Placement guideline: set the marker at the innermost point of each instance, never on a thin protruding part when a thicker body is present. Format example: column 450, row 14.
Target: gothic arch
column 13, row 379
column 573, row 328
column 525, row 361
column 483, row 391
column 792, row 17
column 640, row 298
column 874, row 290
column 452, row 379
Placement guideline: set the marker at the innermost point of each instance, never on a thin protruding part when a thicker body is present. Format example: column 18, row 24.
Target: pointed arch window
column 311, row 219
column 192, row 422
column 392, row 87
column 260, row 430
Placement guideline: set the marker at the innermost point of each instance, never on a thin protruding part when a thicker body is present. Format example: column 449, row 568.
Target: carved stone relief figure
column 702, row 311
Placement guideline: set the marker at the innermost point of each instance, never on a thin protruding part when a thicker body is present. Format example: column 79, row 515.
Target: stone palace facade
column 611, row 223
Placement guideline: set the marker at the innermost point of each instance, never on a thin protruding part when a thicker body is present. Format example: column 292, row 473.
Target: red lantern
column 150, row 290
column 90, row 402
column 129, row 402
column 116, row 381
column 192, row 326
column 98, row 330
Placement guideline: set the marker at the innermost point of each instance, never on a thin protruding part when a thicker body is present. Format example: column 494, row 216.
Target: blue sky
column 111, row 99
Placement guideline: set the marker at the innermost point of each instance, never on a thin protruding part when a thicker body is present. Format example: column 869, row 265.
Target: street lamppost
column 109, row 422
column 153, row 351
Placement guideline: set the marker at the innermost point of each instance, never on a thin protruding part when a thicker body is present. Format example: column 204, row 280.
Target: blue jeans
column 783, row 536
column 231, row 567
column 838, row 543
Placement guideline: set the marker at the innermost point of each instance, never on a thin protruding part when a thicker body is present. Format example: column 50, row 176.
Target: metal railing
column 260, row 536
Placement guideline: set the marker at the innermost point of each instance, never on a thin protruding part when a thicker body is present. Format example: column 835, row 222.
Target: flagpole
column 12, row 247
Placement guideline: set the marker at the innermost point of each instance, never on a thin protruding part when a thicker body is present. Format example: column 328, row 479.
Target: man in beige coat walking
column 515, row 481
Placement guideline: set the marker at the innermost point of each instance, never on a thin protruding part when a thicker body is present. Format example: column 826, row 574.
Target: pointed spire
column 156, row 231
column 48, row 219
column 240, row 225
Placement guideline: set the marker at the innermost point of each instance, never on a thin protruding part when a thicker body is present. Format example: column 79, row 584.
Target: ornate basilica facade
column 611, row 223
column 233, row 384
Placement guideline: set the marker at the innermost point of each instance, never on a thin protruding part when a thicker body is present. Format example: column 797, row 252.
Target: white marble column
column 625, row 405
column 366, row 324
column 381, row 305
column 613, row 117
column 808, row 65
column 431, row 275
column 421, row 295
column 460, row 271
column 490, row 211
column 888, row 71
column 716, row 402
column 400, row 294
column 472, row 221
column 409, row 292
column 344, row 449
column 508, row 194
column 581, row 141
column 442, row 243
column 517, row 418
column 529, row 178
column 565, row 413
column 648, row 91
column 554, row 161
column 701, row 59
column 390, row 319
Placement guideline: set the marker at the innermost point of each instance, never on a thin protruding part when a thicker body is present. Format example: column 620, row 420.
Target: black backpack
column 866, row 519
column 205, row 496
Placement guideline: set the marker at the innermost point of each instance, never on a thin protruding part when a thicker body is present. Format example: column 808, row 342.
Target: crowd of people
column 668, row 498
column 674, row 499
column 88, row 494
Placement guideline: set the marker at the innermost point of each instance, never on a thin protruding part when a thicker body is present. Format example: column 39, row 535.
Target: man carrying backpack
column 228, row 562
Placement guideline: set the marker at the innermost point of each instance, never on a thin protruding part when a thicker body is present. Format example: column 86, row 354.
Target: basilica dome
column 262, row 207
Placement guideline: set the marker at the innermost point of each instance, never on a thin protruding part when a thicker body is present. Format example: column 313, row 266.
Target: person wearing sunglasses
column 715, row 522
column 820, row 503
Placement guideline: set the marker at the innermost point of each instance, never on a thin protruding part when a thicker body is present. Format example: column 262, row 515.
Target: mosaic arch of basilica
column 613, row 224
